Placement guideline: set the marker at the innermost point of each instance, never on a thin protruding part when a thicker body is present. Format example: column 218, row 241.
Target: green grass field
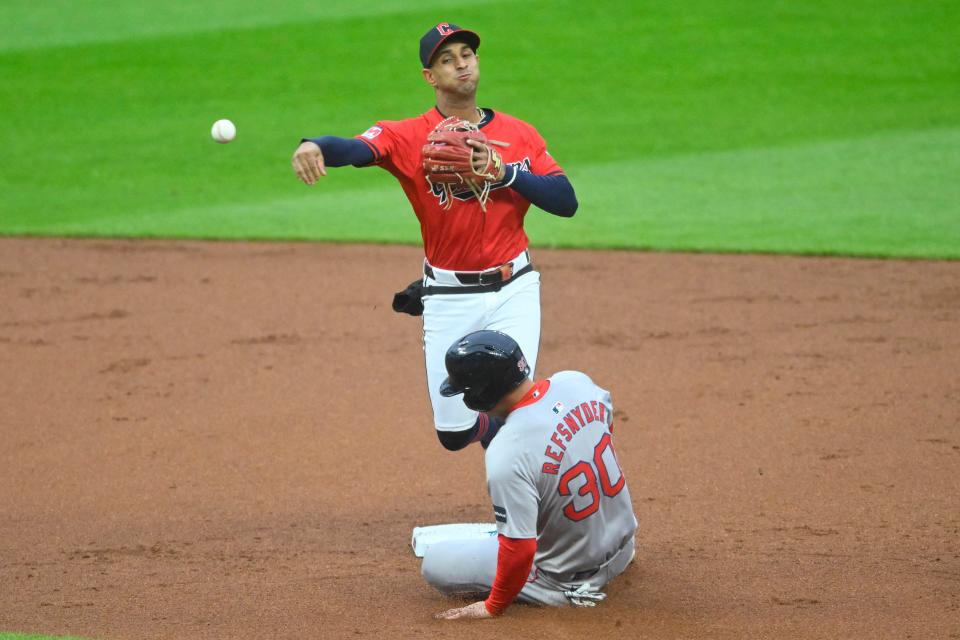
column 715, row 125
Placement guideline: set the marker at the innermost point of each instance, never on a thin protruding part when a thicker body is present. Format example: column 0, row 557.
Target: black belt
column 482, row 285
column 501, row 274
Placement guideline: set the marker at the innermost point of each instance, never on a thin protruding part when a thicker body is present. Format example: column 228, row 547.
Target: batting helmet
column 484, row 366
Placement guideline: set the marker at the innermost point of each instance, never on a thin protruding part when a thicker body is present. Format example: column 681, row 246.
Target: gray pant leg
column 616, row 566
column 461, row 567
column 468, row 567
column 550, row 591
column 540, row 590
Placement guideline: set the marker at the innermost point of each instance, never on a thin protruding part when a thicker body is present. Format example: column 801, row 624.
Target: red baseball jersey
column 463, row 237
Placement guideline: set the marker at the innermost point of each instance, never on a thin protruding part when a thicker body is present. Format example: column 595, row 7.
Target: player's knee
column 432, row 572
column 441, row 569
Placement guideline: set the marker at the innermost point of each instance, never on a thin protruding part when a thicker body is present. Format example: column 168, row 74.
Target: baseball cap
column 439, row 34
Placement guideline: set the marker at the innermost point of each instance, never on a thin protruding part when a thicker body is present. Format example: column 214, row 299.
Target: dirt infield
column 220, row 440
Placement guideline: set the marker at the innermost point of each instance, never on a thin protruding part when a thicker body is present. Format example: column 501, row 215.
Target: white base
column 423, row 537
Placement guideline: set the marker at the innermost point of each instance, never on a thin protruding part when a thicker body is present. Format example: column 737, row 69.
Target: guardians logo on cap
column 436, row 36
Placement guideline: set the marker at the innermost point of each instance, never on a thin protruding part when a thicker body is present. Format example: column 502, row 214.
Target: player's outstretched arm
column 314, row 155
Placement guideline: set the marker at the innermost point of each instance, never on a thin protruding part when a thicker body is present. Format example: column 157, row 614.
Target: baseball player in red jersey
column 477, row 272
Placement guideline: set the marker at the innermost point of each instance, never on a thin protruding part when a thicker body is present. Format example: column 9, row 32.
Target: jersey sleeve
column 514, row 496
column 382, row 138
column 514, row 560
column 543, row 163
column 607, row 403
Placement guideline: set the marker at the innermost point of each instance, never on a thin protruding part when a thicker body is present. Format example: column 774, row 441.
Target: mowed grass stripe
column 54, row 23
column 376, row 214
column 893, row 194
column 834, row 197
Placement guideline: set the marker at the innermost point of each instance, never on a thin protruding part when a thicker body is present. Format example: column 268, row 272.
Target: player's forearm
column 339, row 152
column 482, row 431
column 514, row 559
column 553, row 194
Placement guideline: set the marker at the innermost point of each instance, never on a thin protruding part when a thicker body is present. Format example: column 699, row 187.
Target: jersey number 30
column 594, row 481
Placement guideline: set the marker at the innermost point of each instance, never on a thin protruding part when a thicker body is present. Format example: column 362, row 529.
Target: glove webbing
column 482, row 193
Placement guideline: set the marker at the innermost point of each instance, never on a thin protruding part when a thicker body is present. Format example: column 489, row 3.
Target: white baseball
column 223, row 131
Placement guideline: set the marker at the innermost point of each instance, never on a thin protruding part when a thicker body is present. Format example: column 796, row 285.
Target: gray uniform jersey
column 552, row 474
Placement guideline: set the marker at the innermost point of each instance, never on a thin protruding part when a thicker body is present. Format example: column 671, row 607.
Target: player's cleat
column 585, row 596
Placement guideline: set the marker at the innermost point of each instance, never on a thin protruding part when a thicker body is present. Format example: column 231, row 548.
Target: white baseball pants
column 514, row 310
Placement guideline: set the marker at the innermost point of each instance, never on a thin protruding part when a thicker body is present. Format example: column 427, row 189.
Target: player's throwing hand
column 471, row 611
column 482, row 159
column 308, row 162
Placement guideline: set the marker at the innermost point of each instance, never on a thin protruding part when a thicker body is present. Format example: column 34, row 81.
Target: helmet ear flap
column 485, row 366
column 479, row 399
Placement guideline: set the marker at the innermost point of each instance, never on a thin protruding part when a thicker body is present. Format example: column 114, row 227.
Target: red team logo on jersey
column 372, row 132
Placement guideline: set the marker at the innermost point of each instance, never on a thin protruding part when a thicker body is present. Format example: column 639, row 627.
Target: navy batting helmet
column 484, row 366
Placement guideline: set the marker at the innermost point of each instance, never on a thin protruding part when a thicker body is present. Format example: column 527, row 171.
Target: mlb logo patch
column 372, row 132
column 558, row 408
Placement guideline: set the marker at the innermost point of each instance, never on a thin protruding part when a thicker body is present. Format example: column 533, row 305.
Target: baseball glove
column 451, row 163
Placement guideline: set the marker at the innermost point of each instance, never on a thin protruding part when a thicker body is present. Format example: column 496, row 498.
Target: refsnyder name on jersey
column 577, row 418
column 558, row 479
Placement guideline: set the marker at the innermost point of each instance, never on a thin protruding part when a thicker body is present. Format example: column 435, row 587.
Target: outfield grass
column 821, row 127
